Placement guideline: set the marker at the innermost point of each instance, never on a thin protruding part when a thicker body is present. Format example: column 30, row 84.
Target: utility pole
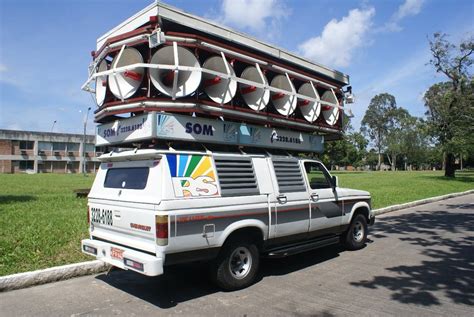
column 52, row 127
column 84, row 167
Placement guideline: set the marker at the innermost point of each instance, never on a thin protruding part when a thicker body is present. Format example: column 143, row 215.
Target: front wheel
column 237, row 265
column 356, row 236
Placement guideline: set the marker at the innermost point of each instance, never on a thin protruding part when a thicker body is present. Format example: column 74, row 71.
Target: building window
column 44, row 146
column 73, row 147
column 59, row 146
column 90, row 147
column 27, row 145
column 26, row 165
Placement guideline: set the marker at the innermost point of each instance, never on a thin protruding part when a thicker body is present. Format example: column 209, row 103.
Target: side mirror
column 335, row 181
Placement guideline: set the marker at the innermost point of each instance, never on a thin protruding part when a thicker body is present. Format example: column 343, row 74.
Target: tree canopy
column 450, row 104
column 377, row 120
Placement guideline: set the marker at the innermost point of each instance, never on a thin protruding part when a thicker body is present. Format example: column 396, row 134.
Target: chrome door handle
column 314, row 197
column 282, row 199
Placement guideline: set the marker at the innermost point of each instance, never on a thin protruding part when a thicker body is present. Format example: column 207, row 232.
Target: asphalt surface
column 418, row 262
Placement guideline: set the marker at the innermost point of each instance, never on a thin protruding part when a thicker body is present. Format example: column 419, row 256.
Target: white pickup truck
column 152, row 208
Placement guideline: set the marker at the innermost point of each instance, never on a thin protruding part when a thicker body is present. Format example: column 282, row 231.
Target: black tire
column 231, row 275
column 356, row 235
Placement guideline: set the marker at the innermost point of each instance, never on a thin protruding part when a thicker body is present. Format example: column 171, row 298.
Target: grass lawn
column 42, row 222
column 390, row 188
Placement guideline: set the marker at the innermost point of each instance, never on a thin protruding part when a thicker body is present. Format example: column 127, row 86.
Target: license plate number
column 116, row 253
column 102, row 216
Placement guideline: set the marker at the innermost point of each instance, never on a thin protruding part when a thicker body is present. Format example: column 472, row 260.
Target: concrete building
column 44, row 152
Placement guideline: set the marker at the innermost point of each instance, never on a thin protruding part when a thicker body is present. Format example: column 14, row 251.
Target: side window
column 317, row 176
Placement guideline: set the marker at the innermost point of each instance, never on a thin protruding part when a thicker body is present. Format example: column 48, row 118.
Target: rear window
column 128, row 178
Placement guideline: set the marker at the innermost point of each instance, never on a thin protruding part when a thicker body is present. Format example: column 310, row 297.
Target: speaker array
column 215, row 76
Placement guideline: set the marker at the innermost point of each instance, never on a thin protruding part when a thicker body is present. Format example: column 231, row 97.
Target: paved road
column 419, row 262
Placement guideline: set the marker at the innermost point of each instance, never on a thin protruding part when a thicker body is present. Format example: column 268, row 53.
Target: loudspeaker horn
column 309, row 109
column 163, row 79
column 124, row 85
column 285, row 103
column 219, row 89
column 256, row 98
column 331, row 114
column 101, row 84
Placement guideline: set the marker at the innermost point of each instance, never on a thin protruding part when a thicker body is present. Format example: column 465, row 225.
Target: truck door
column 326, row 211
column 292, row 210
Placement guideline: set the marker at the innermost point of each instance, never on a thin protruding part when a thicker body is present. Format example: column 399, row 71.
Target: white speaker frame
column 212, row 47
column 231, row 85
column 263, row 85
column 292, row 101
column 314, row 107
column 114, row 81
column 195, row 75
column 100, row 89
column 331, row 115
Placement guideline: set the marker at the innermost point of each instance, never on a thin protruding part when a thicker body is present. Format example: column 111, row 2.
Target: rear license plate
column 101, row 216
column 116, row 253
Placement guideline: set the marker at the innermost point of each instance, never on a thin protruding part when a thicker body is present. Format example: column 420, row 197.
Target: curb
column 53, row 274
column 384, row 210
column 58, row 273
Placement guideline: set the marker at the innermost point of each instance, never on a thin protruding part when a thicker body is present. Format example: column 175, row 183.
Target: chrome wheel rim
column 358, row 231
column 240, row 262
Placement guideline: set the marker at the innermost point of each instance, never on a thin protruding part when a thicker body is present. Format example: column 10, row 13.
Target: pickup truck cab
column 152, row 208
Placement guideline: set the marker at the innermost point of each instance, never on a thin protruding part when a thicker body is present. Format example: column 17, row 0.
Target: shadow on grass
column 185, row 282
column 447, row 241
column 8, row 199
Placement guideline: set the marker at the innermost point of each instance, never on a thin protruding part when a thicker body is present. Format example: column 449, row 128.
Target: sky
column 382, row 45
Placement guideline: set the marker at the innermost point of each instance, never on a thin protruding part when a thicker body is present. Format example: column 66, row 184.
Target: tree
column 376, row 121
column 450, row 104
column 401, row 133
column 357, row 151
column 349, row 150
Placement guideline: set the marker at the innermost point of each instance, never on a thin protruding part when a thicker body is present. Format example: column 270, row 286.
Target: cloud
column 339, row 39
column 408, row 8
column 262, row 17
column 407, row 80
column 3, row 68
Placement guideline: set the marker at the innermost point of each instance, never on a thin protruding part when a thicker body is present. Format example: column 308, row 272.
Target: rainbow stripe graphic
column 184, row 165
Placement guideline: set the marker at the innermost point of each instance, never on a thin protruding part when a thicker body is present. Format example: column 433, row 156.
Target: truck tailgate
column 124, row 223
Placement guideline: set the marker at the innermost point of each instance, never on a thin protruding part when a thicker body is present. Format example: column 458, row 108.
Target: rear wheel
column 356, row 236
column 237, row 265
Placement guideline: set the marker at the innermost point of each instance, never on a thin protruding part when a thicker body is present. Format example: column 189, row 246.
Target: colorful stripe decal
column 184, row 165
column 172, row 163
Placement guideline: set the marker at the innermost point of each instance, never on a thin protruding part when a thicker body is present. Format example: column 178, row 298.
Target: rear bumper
column 131, row 260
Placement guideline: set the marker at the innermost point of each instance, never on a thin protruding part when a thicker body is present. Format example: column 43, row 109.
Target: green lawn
column 42, row 222
column 389, row 188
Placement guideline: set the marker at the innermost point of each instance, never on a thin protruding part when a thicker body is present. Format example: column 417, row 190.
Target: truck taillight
column 88, row 215
column 161, row 226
